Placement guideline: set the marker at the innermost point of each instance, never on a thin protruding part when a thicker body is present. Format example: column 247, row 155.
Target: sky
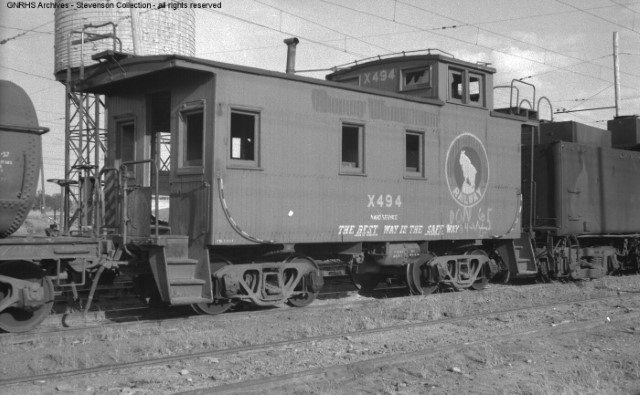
column 563, row 47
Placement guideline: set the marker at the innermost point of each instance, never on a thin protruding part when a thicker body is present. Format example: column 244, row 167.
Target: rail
column 90, row 38
column 519, row 103
column 390, row 55
column 100, row 193
column 548, row 102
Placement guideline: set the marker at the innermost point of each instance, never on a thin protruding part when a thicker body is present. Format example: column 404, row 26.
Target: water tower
column 80, row 33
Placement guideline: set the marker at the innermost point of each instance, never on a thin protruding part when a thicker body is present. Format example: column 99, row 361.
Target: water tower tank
column 159, row 30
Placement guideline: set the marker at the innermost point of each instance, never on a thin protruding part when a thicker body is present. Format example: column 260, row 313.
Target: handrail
column 511, row 89
column 523, row 102
column 549, row 102
column 100, row 197
column 82, row 41
column 389, row 55
column 513, row 81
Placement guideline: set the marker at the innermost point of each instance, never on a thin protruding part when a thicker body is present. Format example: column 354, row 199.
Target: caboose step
column 524, row 266
column 186, row 281
column 180, row 279
column 181, row 261
column 182, row 300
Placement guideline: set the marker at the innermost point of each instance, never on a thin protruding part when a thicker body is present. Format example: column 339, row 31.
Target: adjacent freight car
column 26, row 292
column 585, row 203
column 394, row 169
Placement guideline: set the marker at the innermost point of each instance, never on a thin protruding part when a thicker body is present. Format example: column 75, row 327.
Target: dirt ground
column 583, row 347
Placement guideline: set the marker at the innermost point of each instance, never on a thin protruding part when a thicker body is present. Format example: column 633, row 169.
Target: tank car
column 32, row 266
column 26, row 293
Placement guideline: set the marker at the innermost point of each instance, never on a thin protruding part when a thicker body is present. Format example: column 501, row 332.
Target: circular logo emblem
column 467, row 170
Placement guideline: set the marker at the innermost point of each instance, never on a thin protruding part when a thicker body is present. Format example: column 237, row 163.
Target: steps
column 524, row 255
column 180, row 279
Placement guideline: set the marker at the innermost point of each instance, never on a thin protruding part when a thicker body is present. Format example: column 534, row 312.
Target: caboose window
column 475, row 89
column 414, row 154
column 352, row 148
column 191, row 136
column 455, row 85
column 416, row 78
column 126, row 141
column 194, row 127
column 244, row 137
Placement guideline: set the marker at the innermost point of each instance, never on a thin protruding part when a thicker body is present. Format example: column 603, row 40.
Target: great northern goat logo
column 467, row 170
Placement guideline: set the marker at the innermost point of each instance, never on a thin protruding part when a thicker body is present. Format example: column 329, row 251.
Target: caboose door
column 189, row 189
column 127, row 191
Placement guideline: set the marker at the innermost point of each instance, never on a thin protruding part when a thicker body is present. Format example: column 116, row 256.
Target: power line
column 465, row 41
column 323, row 26
column 24, row 32
column 625, row 6
column 24, row 72
column 597, row 16
column 586, row 100
column 509, row 38
column 284, row 32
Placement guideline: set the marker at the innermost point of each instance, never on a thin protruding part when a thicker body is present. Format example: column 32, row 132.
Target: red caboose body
column 279, row 175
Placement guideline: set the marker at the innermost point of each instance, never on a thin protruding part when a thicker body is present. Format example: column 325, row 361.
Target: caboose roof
column 116, row 71
column 429, row 56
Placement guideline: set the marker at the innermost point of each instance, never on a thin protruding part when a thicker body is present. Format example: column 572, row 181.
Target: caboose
column 396, row 169
column 226, row 184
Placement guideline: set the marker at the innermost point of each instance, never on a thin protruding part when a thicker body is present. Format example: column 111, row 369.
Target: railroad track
column 144, row 317
column 305, row 342
column 136, row 311
column 343, row 373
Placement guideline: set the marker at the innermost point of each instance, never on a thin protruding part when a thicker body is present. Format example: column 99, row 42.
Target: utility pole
column 616, row 73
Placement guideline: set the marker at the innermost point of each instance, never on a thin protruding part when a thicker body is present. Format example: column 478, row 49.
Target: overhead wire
column 467, row 42
column 27, row 73
column 509, row 37
column 598, row 16
column 323, row 26
column 283, row 32
column 4, row 41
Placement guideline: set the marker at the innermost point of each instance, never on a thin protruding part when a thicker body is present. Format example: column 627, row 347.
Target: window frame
column 186, row 110
column 239, row 163
column 424, row 85
column 481, row 91
column 420, row 172
column 451, row 73
column 466, row 80
column 120, row 122
column 358, row 170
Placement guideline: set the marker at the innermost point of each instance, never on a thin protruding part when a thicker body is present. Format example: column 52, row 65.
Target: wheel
column 482, row 279
column 302, row 300
column 219, row 305
column 420, row 277
column 364, row 281
column 502, row 277
column 307, row 265
column 305, row 298
column 15, row 319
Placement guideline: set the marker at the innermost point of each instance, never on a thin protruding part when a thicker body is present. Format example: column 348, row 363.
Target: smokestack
column 291, row 54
